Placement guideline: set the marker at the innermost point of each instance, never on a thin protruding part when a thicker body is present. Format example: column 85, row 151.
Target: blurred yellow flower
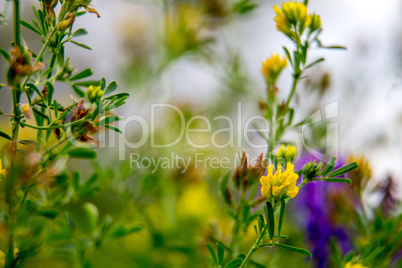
column 288, row 153
column 315, row 22
column 356, row 265
column 3, row 171
column 272, row 68
column 292, row 14
column 94, row 94
column 279, row 185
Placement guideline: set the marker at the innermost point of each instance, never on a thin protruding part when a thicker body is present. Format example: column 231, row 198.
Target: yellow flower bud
column 315, row 22
column 279, row 185
column 65, row 24
column 272, row 68
column 26, row 111
column 288, row 153
column 94, row 94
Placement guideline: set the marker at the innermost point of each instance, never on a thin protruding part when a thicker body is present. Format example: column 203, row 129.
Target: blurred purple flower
column 317, row 212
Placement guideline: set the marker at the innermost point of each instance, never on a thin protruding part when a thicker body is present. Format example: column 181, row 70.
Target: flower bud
column 315, row 23
column 94, row 94
column 65, row 24
column 26, row 111
column 272, row 68
column 288, row 153
column 311, row 170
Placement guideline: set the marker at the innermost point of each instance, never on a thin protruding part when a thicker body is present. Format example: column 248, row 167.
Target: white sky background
column 365, row 78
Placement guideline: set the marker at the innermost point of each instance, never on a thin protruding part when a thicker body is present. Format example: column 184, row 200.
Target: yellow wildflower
column 272, row 68
column 356, row 265
column 288, row 153
column 279, row 185
column 292, row 14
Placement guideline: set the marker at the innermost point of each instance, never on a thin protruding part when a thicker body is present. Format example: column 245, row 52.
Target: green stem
column 292, row 91
column 39, row 56
column 248, row 256
column 54, row 126
column 16, row 96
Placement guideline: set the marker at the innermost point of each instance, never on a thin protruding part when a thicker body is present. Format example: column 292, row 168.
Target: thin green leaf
column 56, row 108
column 50, row 89
column 343, row 170
column 5, row 55
column 109, row 120
column 84, row 153
column 295, row 249
column 118, row 96
column 110, row 88
column 4, row 135
column 113, row 128
column 281, row 216
column 221, row 253
column 83, row 74
column 30, row 27
column 103, row 84
column 223, row 187
column 213, row 253
column 342, row 180
column 314, row 63
column 288, row 55
column 329, row 166
column 78, row 91
column 81, row 45
column 271, row 221
column 80, row 32
column 234, row 263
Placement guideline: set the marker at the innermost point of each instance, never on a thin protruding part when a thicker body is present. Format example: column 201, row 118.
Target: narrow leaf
column 50, row 89
column 223, row 187
column 288, row 55
column 314, row 63
column 343, row 170
column 5, row 55
column 329, row 166
column 271, row 221
column 234, row 263
column 281, row 216
column 84, row 153
column 113, row 128
column 80, row 32
column 4, row 135
column 213, row 253
column 295, row 249
column 342, row 180
column 81, row 45
column 110, row 88
column 30, row 27
column 221, row 253
column 83, row 74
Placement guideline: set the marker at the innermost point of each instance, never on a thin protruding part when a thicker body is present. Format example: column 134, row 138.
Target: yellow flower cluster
column 272, row 68
column 356, row 265
column 288, row 153
column 94, row 94
column 293, row 16
column 279, row 185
